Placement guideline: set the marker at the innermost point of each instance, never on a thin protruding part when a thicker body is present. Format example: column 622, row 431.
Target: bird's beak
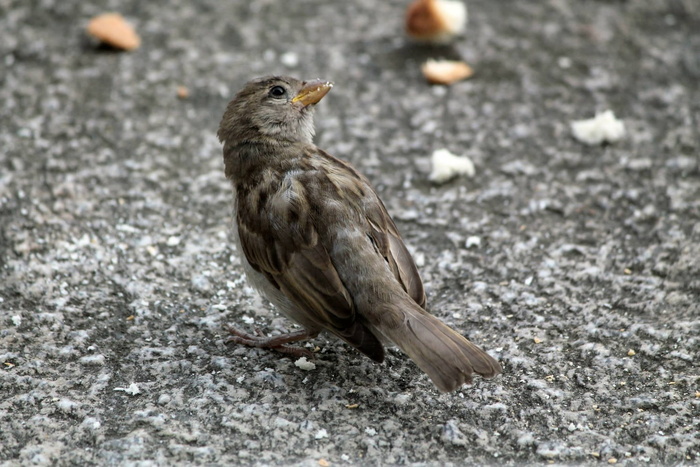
column 312, row 92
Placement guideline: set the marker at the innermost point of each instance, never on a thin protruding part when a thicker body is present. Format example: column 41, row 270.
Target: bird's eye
column 277, row 91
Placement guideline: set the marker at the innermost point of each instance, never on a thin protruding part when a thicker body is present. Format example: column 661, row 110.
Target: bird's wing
column 293, row 259
column 388, row 243
column 380, row 227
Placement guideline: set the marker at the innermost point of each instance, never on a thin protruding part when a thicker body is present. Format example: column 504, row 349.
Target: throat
column 251, row 160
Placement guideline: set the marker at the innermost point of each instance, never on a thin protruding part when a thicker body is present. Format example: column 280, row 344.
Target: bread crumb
column 604, row 127
column 437, row 21
column 537, row 340
column 132, row 390
column 112, row 29
column 445, row 71
column 631, row 353
column 304, row 364
column 447, row 166
column 473, row 241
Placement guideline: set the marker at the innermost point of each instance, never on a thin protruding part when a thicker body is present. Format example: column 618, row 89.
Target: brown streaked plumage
column 319, row 243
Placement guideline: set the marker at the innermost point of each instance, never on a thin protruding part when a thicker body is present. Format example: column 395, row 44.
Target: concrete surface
column 117, row 270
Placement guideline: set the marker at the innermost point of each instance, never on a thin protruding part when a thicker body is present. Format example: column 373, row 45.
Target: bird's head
column 273, row 108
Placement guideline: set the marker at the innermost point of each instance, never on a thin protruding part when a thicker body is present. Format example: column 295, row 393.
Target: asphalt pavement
column 577, row 266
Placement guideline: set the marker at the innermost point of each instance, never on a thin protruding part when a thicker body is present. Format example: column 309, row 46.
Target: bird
column 319, row 244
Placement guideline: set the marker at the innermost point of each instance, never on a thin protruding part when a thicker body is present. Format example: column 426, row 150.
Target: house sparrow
column 319, row 243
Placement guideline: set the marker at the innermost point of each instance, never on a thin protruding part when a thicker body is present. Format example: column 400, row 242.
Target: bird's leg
column 278, row 343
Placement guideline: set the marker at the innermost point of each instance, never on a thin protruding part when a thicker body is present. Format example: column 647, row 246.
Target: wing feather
column 294, row 260
column 389, row 244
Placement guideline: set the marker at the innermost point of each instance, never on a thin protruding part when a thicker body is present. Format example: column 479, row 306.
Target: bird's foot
column 277, row 343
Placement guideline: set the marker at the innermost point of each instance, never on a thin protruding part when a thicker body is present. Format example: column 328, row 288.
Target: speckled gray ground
column 117, row 267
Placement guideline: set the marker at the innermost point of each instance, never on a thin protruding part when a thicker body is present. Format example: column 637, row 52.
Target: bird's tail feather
column 444, row 355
